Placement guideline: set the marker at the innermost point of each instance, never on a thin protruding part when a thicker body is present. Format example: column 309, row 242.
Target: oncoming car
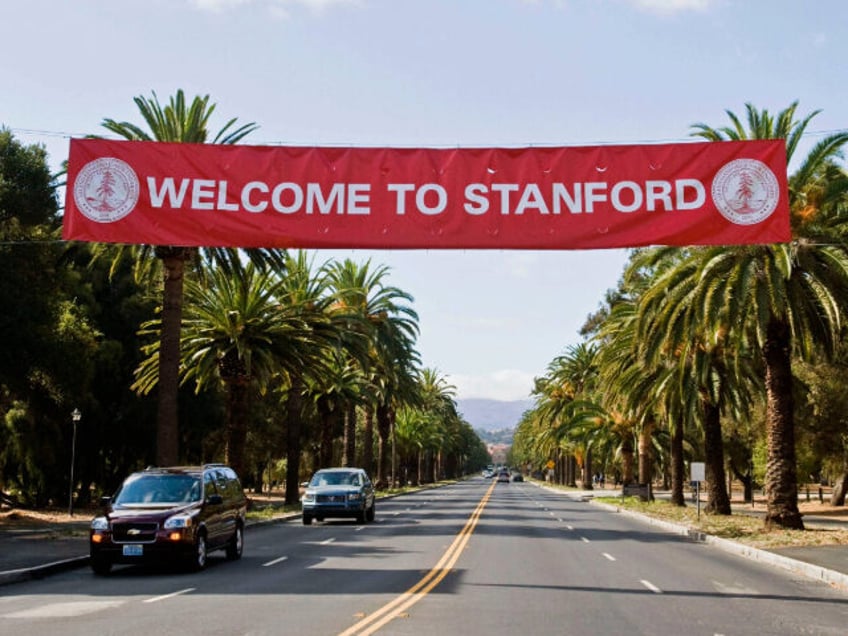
column 339, row 492
column 165, row 515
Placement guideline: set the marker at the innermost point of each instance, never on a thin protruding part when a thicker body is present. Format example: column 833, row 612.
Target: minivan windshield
column 159, row 488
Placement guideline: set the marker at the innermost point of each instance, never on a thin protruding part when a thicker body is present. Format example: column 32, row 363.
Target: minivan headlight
column 308, row 496
column 178, row 521
column 100, row 523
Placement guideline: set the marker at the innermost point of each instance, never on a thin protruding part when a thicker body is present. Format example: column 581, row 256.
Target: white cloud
column 673, row 6
column 507, row 384
column 278, row 8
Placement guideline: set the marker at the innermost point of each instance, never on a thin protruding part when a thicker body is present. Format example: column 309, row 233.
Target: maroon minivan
column 162, row 514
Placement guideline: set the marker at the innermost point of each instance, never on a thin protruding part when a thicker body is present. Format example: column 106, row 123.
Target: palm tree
column 184, row 123
column 780, row 298
column 391, row 327
column 233, row 333
column 303, row 293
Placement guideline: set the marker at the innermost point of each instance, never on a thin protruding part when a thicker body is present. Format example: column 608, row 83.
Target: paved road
column 475, row 558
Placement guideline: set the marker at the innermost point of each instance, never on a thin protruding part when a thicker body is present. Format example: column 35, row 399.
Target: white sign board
column 699, row 471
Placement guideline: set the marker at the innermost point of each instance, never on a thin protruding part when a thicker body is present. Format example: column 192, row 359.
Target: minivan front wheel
column 200, row 554
column 100, row 565
column 236, row 545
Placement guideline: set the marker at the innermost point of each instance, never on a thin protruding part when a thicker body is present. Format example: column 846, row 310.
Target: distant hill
column 493, row 415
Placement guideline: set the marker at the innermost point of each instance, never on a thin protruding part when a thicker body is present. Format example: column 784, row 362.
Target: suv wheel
column 307, row 520
column 236, row 545
column 372, row 512
column 198, row 559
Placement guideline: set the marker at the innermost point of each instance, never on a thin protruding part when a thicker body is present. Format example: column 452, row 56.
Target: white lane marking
column 358, row 528
column 552, row 514
column 396, row 513
column 584, row 539
column 171, row 595
column 274, row 562
column 65, row 610
column 569, row 527
column 651, row 586
column 608, row 556
column 559, row 519
column 327, row 541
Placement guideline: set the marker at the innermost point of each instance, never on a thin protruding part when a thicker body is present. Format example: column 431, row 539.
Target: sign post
column 698, row 474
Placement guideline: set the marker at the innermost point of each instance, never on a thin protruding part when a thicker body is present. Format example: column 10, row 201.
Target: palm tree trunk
column 781, row 480
column 167, row 423
column 646, row 463
column 587, row 470
column 717, row 499
column 383, row 430
column 294, row 408
column 237, row 410
column 627, row 460
column 349, row 455
column 368, row 441
column 677, row 466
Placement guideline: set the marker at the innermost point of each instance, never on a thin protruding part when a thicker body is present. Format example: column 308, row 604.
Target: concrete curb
column 40, row 571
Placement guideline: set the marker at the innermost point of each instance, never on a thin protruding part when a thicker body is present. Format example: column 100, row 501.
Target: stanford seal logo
column 106, row 190
column 745, row 191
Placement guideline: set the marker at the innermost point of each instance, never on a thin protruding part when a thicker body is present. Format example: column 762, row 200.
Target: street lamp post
column 75, row 417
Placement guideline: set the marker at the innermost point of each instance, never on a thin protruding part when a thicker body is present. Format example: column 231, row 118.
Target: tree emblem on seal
column 745, row 191
column 106, row 190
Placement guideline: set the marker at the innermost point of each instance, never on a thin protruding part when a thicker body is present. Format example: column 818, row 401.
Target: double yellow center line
column 392, row 609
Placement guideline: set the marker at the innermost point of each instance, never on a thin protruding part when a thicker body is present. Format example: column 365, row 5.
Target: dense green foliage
column 275, row 354
column 698, row 346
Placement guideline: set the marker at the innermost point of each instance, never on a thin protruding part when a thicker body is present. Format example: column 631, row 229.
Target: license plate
column 133, row 550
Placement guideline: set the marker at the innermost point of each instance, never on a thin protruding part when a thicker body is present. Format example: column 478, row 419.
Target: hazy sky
column 437, row 73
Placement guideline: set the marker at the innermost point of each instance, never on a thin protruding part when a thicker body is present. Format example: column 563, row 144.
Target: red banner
column 478, row 198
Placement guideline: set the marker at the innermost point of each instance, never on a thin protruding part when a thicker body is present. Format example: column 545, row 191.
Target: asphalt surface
column 28, row 553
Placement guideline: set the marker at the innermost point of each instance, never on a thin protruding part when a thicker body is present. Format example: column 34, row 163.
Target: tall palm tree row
column 708, row 328
column 182, row 122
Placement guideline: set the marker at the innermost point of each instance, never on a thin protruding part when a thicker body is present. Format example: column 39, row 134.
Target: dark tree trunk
column 587, row 471
column 571, row 474
column 294, row 408
column 349, row 455
column 237, row 410
column 167, row 423
column 677, row 466
column 327, row 417
column 717, row 499
column 384, row 424
column 646, row 456
column 781, row 480
column 368, row 441
column 627, row 460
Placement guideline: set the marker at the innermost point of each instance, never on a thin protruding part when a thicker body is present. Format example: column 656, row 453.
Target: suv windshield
column 160, row 488
column 335, row 479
